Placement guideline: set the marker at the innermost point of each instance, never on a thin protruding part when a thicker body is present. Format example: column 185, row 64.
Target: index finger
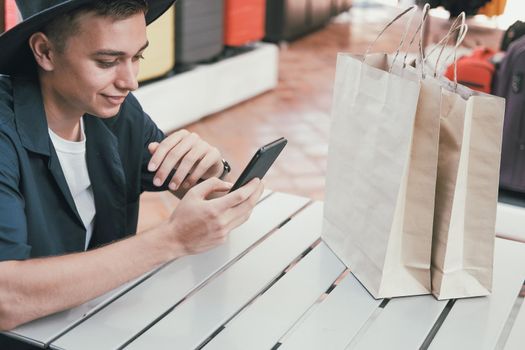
column 238, row 196
column 163, row 148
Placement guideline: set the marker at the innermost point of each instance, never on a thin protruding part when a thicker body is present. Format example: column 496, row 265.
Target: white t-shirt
column 72, row 156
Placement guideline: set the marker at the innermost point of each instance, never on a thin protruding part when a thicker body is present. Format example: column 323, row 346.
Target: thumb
column 211, row 185
column 152, row 147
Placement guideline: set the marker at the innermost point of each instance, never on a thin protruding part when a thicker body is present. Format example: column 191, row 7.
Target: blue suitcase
column 510, row 84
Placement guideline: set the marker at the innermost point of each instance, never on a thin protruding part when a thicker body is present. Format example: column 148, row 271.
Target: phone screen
column 260, row 162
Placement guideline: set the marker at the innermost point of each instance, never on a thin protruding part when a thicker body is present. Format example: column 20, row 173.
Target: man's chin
column 106, row 112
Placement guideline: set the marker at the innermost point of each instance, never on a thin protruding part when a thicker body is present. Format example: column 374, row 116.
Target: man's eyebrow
column 117, row 53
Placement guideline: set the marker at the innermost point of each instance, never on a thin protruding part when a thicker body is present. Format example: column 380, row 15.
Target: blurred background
column 242, row 73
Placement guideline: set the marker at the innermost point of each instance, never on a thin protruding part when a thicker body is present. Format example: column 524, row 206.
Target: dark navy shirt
column 38, row 217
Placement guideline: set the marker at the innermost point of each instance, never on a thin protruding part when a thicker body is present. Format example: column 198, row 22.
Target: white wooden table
column 275, row 284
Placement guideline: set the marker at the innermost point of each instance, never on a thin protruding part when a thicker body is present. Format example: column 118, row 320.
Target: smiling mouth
column 116, row 100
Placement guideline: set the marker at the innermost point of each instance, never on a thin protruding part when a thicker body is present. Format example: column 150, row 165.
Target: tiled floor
column 299, row 108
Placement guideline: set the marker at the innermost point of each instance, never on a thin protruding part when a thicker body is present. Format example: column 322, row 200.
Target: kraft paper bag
column 381, row 176
column 466, row 193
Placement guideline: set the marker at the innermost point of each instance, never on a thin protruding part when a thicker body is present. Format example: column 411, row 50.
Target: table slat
column 42, row 331
column 476, row 323
column 193, row 321
column 404, row 323
column 128, row 315
column 336, row 320
column 510, row 221
column 262, row 324
column 516, row 340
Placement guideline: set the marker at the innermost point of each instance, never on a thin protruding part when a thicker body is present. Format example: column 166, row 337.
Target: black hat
column 16, row 56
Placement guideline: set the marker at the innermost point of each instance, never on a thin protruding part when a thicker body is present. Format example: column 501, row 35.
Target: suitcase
column 320, row 13
column 515, row 31
column 290, row 19
column 199, row 30
column 244, row 21
column 493, row 8
column 286, row 19
column 340, row 6
column 159, row 57
column 510, row 84
column 475, row 70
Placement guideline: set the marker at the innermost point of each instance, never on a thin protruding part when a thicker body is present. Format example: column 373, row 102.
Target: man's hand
column 193, row 158
column 199, row 224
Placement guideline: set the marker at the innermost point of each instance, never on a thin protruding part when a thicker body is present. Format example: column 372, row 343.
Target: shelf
column 209, row 88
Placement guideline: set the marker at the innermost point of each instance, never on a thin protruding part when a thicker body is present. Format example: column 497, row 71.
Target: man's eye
column 138, row 57
column 107, row 64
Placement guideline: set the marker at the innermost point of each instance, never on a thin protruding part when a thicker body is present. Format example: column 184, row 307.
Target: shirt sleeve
column 151, row 134
column 13, row 226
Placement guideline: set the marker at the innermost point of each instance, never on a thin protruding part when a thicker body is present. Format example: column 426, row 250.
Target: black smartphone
column 260, row 162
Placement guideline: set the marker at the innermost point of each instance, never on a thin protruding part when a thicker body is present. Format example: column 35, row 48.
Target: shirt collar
column 31, row 122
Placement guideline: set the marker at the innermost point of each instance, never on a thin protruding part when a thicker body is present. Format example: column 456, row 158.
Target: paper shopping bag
column 466, row 193
column 381, row 175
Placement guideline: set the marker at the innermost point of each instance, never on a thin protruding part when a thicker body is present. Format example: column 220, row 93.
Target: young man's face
column 99, row 65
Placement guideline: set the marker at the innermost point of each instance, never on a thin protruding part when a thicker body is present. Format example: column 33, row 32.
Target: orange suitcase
column 475, row 70
column 244, row 21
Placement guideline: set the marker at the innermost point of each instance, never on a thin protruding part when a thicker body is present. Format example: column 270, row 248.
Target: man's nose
column 127, row 76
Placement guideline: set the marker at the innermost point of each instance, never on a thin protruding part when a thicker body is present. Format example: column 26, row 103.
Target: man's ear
column 42, row 51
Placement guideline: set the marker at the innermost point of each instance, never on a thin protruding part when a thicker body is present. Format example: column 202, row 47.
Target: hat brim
column 17, row 58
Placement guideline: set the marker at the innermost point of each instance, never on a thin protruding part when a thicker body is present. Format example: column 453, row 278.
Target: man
column 76, row 152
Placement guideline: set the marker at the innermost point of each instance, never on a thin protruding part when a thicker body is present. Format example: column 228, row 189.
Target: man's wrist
column 163, row 237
